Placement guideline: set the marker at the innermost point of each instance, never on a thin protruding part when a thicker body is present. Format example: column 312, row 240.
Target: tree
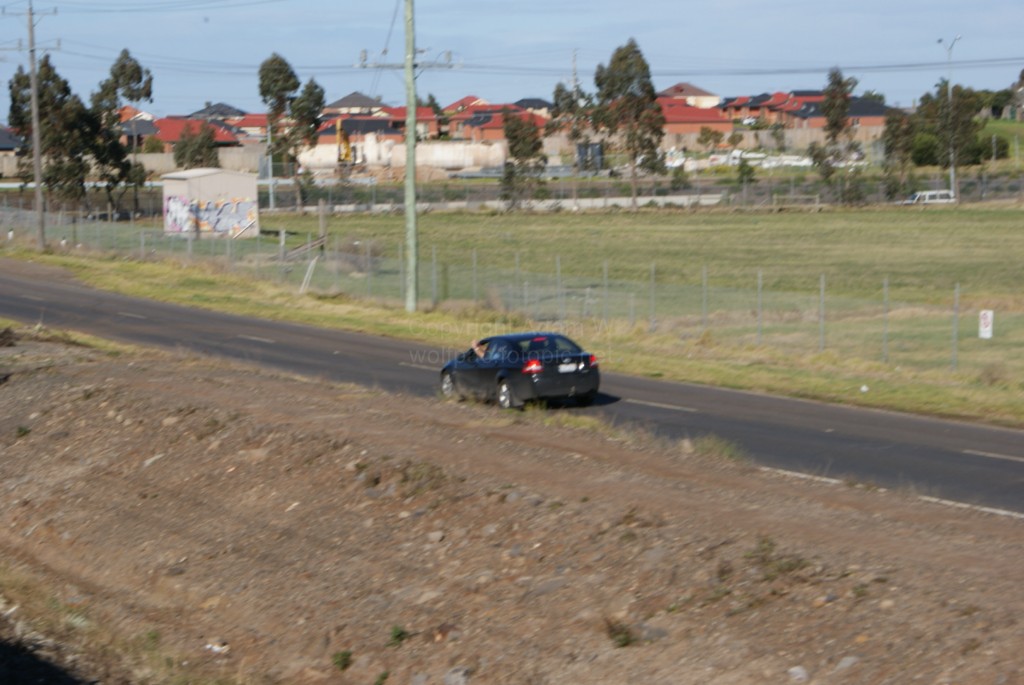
column 955, row 129
column 129, row 81
column 306, row 110
column 435, row 107
column 898, row 142
column 709, row 138
column 572, row 112
column 278, row 84
column 196, row 149
column 627, row 107
column 525, row 157
column 68, row 131
column 836, row 106
column 874, row 96
column 745, row 173
column 838, row 147
column 734, row 140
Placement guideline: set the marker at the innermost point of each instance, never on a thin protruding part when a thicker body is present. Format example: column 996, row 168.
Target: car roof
column 517, row 337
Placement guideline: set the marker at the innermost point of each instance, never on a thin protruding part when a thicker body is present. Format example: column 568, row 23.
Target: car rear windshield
column 547, row 344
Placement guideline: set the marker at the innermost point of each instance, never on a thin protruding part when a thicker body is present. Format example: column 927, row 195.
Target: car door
column 489, row 367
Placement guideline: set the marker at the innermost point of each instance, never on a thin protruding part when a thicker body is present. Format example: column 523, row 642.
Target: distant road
column 945, row 459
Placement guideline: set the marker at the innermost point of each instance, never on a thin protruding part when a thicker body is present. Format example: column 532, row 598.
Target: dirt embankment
column 169, row 519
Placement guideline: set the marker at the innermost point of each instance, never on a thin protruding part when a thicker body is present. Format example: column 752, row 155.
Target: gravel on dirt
column 168, row 518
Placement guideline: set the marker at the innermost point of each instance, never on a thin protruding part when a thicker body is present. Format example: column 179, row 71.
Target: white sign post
column 986, row 318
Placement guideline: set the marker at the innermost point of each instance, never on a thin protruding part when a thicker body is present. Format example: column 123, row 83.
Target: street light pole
column 949, row 120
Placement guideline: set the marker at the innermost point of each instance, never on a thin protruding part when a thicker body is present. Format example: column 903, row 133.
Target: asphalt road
column 950, row 460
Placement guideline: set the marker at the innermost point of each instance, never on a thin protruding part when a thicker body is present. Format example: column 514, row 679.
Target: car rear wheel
column 448, row 389
column 506, row 398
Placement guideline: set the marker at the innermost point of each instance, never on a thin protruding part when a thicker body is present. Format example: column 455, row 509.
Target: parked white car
column 930, row 197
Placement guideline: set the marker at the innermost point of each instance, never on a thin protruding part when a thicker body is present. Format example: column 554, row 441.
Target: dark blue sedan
column 522, row 367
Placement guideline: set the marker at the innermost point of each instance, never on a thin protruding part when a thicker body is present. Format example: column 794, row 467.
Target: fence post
column 558, row 288
column 369, row 268
column 401, row 271
column 604, row 299
column 654, row 290
column 956, row 322
column 433, row 272
column 704, row 298
column 760, row 303
column 821, row 316
column 516, row 283
column 885, row 322
column 475, row 298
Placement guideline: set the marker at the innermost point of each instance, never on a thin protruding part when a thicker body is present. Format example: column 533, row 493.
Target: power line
column 155, row 7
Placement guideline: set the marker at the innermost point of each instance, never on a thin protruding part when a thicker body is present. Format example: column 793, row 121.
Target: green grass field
column 704, row 321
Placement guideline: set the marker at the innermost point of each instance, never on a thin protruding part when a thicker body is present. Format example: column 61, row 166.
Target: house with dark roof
column 489, row 124
column 862, row 113
column 536, row 105
column 352, row 104
column 135, row 131
column 219, row 111
column 9, row 142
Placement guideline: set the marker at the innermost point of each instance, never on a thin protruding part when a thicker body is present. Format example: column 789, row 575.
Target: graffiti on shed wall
column 179, row 216
column 216, row 217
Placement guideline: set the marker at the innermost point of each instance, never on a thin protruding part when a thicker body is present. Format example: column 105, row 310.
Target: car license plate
column 567, row 368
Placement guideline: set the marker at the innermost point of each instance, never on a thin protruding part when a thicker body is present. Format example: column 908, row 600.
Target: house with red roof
column 488, row 124
column 253, row 125
column 691, row 95
column 427, row 125
column 465, row 103
column 681, row 118
column 169, row 131
column 769, row 108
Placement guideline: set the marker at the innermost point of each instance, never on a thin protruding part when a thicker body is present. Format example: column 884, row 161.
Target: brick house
column 170, row 129
column 691, row 95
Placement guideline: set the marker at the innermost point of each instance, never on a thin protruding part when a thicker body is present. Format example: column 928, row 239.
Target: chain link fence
column 554, row 295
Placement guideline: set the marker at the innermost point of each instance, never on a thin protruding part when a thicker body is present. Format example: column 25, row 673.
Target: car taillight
column 593, row 360
column 533, row 366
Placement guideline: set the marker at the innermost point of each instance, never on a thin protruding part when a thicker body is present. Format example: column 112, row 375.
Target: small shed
column 211, row 203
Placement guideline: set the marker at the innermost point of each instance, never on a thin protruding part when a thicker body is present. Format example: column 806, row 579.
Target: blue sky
column 210, row 50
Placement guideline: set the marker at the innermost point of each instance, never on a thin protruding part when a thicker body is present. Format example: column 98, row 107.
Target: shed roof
column 203, row 172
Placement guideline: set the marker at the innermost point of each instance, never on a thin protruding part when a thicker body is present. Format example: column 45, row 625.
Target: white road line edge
column 661, row 405
column 924, row 498
column 994, row 455
column 256, row 338
column 33, row 297
column 418, row 366
column 130, row 315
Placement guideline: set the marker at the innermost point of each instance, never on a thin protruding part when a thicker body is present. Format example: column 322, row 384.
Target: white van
column 931, row 197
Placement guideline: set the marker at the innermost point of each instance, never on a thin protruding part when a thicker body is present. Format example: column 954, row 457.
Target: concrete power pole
column 410, row 65
column 411, row 237
column 37, row 155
